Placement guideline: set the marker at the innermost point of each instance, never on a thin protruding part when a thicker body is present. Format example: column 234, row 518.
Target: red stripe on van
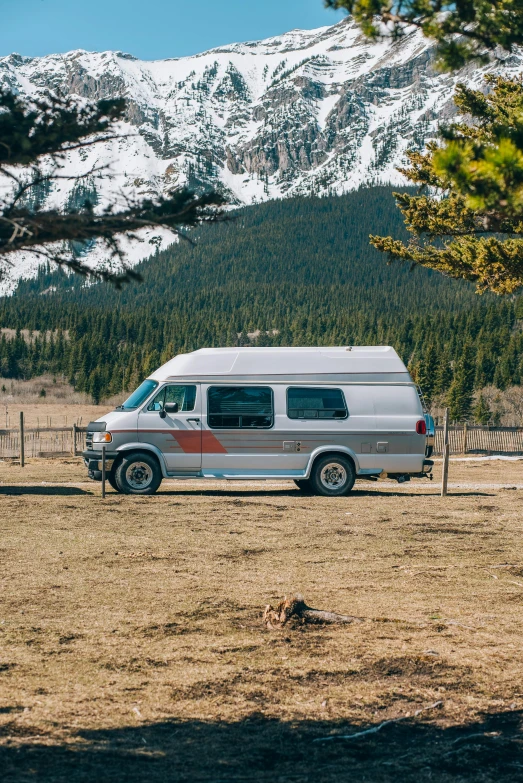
column 211, row 444
column 194, row 441
column 189, row 440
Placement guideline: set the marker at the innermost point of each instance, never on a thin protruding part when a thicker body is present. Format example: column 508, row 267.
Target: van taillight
column 421, row 427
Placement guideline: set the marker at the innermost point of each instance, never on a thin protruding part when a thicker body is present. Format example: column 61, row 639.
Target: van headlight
column 102, row 437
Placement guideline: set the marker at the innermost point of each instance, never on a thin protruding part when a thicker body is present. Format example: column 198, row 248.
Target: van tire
column 332, row 475
column 112, row 480
column 138, row 474
column 303, row 484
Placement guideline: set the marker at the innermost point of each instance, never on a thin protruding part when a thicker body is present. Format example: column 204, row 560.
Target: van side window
column 185, row 396
column 241, row 407
column 307, row 403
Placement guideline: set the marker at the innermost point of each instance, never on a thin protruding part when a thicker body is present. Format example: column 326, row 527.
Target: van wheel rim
column 333, row 475
column 139, row 475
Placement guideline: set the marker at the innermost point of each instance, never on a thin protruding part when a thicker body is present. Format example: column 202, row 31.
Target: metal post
column 22, row 444
column 103, row 471
column 446, row 452
column 74, row 440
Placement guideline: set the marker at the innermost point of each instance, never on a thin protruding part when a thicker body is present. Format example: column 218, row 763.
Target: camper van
column 322, row 417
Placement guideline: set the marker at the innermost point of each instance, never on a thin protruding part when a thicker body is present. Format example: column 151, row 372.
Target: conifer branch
column 470, row 224
column 35, row 137
column 463, row 31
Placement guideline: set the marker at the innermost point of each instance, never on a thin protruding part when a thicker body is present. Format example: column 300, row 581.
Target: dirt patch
column 427, row 669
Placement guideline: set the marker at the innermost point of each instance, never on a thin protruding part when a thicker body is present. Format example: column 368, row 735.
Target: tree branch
column 379, row 727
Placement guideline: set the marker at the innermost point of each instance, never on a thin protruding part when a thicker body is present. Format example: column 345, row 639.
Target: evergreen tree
column 414, row 371
column 426, row 373
column 482, row 412
column 469, row 225
column 443, row 374
column 484, row 369
column 96, row 386
column 460, row 396
column 151, row 362
column 116, row 382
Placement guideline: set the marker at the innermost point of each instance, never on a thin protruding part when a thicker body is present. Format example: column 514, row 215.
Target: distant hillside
column 318, row 248
column 297, row 271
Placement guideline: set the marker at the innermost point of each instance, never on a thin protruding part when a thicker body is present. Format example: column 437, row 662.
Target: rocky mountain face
column 309, row 112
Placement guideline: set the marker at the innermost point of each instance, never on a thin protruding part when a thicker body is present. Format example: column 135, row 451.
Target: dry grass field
column 61, row 406
column 47, row 414
column 132, row 647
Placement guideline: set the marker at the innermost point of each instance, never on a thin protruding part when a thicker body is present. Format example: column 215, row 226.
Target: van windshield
column 138, row 396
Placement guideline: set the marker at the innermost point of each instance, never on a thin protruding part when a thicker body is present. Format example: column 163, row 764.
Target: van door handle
column 196, row 420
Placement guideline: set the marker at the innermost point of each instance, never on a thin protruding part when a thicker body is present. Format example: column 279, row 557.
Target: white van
column 323, row 417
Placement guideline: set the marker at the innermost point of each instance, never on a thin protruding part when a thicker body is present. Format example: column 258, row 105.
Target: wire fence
column 70, row 441
column 43, row 442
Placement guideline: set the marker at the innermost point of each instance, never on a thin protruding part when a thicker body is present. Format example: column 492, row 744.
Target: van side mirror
column 170, row 407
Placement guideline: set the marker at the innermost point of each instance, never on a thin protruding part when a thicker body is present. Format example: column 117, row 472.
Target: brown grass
column 132, row 646
column 60, row 407
column 53, row 411
column 27, row 395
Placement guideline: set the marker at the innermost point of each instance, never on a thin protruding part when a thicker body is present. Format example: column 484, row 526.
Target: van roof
column 284, row 362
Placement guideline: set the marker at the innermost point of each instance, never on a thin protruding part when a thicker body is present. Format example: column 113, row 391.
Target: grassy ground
column 132, row 648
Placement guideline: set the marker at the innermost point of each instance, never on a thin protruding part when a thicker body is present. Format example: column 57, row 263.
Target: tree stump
column 295, row 606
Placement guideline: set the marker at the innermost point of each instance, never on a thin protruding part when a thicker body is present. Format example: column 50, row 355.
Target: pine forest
column 290, row 272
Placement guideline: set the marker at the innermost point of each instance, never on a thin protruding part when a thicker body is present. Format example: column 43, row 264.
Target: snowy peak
column 309, row 112
column 316, row 111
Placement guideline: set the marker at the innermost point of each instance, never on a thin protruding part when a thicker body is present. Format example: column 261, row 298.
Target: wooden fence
column 476, row 439
column 66, row 441
column 43, row 442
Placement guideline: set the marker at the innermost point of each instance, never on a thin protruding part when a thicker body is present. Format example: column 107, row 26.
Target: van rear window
column 240, row 407
column 307, row 403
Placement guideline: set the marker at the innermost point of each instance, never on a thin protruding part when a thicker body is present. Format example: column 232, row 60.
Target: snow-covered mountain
column 308, row 112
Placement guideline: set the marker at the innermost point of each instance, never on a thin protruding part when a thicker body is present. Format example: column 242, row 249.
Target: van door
column 238, row 430
column 177, row 435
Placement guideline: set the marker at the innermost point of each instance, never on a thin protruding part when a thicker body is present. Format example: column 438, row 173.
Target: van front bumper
column 93, row 463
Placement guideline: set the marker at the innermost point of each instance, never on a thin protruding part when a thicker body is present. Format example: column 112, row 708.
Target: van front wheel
column 332, row 476
column 112, row 480
column 138, row 474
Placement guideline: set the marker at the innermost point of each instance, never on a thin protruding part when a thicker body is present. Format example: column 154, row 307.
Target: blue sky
column 150, row 29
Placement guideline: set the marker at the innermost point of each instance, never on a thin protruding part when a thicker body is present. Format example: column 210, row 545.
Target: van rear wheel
column 138, row 474
column 332, row 476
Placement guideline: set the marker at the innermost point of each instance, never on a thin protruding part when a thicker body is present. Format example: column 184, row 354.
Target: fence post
column 22, row 444
column 103, row 471
column 465, row 438
column 74, row 440
column 446, row 451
